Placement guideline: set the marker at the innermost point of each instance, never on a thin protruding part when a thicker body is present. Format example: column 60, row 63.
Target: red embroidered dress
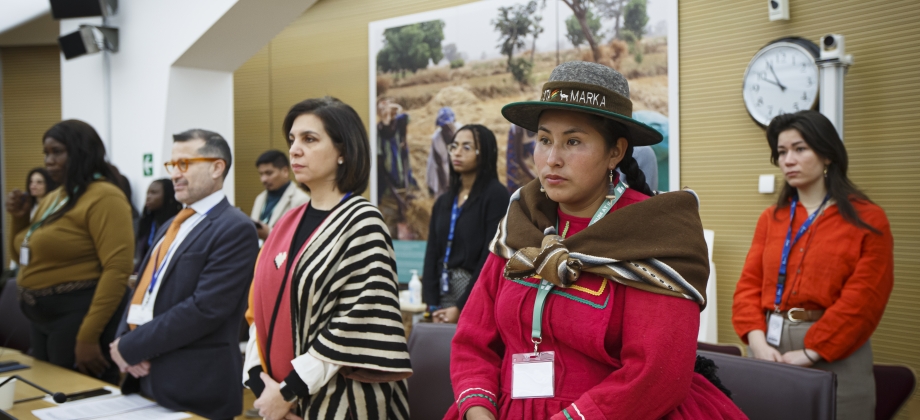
column 620, row 352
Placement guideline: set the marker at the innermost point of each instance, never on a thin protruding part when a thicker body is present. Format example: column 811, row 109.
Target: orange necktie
column 159, row 256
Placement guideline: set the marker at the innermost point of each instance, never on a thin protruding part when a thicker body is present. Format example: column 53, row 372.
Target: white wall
column 173, row 71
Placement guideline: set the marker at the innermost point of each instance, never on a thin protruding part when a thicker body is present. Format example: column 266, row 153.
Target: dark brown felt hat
column 584, row 87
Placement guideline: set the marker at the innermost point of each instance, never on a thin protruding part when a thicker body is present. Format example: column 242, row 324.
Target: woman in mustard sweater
column 75, row 255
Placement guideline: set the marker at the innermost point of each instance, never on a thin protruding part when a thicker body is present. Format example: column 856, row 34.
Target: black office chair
column 732, row 349
column 894, row 385
column 15, row 328
column 430, row 391
column 770, row 390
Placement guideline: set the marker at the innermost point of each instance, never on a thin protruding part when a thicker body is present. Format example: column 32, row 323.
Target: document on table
column 109, row 408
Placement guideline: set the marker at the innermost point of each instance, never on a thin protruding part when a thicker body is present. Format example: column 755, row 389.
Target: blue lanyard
column 787, row 246
column 445, row 275
column 153, row 231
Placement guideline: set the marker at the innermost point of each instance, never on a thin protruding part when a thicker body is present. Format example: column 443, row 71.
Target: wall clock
column 782, row 78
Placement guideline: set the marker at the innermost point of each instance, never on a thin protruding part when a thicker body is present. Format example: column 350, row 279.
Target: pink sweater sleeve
column 477, row 348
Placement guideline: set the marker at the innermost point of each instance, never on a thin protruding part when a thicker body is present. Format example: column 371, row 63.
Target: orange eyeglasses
column 182, row 164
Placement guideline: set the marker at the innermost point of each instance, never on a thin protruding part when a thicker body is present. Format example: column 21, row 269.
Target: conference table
column 51, row 377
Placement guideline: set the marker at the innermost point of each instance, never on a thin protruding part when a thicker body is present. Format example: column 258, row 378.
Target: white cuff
column 314, row 372
column 251, row 359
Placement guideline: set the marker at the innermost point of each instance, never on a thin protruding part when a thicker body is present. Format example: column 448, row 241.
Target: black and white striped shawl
column 345, row 310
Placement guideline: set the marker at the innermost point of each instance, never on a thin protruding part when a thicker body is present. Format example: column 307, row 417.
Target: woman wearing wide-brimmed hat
column 588, row 306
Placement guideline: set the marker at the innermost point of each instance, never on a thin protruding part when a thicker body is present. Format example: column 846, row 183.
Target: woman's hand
column 271, row 404
column 763, row 351
column 799, row 358
column 478, row 413
column 89, row 359
column 446, row 315
column 17, row 203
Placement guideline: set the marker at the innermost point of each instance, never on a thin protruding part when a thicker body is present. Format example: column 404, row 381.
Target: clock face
column 781, row 79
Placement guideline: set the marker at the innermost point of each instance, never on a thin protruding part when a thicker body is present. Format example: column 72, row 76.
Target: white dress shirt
column 201, row 207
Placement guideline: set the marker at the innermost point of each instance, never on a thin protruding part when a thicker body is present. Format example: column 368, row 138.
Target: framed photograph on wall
column 432, row 72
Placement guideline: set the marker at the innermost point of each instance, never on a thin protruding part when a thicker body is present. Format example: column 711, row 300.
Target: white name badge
column 137, row 315
column 774, row 329
column 24, row 255
column 532, row 375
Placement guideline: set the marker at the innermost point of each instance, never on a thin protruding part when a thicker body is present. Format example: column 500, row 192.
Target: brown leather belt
column 29, row 295
column 800, row 315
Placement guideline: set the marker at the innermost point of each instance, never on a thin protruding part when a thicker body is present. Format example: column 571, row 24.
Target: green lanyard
column 51, row 209
column 545, row 287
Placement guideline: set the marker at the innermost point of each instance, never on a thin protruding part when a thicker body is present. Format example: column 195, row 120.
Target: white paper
column 532, row 380
column 108, row 408
column 774, row 329
column 152, row 413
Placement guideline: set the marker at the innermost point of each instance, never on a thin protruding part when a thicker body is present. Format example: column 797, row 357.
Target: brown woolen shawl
column 656, row 245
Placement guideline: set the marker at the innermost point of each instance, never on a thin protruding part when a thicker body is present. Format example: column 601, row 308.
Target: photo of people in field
column 438, row 70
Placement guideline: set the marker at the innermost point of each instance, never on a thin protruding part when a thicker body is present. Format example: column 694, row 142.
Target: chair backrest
column 15, row 328
column 769, row 390
column 430, row 391
column 894, row 384
column 732, row 349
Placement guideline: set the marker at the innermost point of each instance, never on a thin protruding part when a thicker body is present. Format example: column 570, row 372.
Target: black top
column 308, row 223
column 311, row 220
column 476, row 226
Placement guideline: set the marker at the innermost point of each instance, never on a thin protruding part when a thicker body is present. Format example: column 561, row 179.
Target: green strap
column 545, row 286
column 542, row 293
column 48, row 212
column 51, row 210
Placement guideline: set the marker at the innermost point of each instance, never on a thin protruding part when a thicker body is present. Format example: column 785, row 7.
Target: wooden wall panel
column 31, row 95
column 251, row 124
column 324, row 52
column 723, row 151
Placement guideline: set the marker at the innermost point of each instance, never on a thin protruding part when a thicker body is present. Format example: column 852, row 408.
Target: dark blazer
column 192, row 343
column 476, row 226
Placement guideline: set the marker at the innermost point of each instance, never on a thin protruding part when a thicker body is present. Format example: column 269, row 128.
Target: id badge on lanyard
column 775, row 323
column 532, row 374
column 25, row 254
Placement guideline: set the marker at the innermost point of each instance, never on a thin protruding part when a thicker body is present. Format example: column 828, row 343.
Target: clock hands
column 778, row 83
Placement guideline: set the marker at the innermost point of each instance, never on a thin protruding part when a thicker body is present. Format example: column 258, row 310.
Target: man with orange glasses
column 179, row 338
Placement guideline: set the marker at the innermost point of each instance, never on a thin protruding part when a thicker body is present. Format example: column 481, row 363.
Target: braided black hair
column 612, row 130
column 634, row 176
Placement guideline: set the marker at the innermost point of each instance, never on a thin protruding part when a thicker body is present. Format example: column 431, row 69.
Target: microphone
column 58, row 397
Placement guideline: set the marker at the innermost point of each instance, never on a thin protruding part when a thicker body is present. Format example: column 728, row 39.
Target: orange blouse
column 835, row 266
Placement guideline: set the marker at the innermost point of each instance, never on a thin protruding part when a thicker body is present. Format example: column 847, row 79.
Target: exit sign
column 148, row 164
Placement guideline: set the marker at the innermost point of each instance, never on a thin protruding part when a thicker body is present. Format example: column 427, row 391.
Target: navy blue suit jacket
column 192, row 343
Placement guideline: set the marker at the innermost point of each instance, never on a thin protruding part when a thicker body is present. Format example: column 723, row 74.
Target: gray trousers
column 855, row 380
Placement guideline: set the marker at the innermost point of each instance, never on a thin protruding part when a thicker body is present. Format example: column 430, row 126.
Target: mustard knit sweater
column 93, row 240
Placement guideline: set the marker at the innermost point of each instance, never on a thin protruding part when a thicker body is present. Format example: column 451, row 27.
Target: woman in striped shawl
column 327, row 339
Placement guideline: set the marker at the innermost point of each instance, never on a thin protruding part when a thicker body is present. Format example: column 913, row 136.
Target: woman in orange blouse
column 838, row 273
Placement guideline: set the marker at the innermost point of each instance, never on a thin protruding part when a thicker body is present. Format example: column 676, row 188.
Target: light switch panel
column 767, row 184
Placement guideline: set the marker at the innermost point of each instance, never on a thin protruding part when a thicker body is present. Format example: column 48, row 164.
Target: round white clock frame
column 781, row 78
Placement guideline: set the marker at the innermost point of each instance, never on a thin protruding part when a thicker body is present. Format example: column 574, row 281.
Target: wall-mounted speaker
column 87, row 40
column 63, row 9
